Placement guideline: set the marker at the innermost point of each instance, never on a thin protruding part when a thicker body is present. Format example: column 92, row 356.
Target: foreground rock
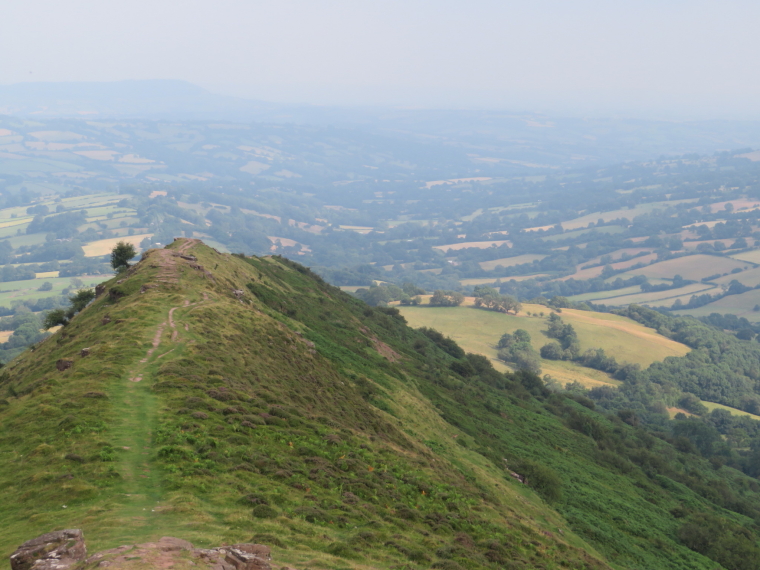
column 66, row 550
column 52, row 551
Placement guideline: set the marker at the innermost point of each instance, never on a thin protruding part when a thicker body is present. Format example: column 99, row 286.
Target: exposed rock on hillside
column 52, row 551
column 66, row 549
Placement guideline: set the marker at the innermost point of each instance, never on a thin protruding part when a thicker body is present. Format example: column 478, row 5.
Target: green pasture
column 478, row 331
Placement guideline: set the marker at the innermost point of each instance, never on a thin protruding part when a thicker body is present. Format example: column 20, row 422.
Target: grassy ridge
column 292, row 414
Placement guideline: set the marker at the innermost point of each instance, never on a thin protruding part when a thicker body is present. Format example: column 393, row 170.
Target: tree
column 446, row 299
column 521, row 335
column 552, row 351
column 121, row 254
column 62, row 317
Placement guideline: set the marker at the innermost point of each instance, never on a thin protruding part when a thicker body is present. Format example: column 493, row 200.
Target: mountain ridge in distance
column 552, row 140
column 223, row 399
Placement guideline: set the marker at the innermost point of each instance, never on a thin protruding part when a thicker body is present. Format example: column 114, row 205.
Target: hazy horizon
column 673, row 60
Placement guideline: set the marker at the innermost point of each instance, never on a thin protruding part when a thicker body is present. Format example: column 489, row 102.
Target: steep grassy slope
column 227, row 399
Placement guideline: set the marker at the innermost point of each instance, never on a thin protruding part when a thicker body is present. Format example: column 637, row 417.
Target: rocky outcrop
column 63, row 364
column 64, row 550
column 52, row 551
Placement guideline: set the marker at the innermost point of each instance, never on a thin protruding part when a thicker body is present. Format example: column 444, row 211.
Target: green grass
column 26, row 290
column 733, row 411
column 606, row 294
column 739, row 305
column 627, row 340
column 367, row 447
column 652, row 297
column 510, row 261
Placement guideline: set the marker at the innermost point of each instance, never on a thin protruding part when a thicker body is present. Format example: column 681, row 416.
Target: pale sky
column 643, row 57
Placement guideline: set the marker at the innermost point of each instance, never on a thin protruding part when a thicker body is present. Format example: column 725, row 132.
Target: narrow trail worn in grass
column 136, row 408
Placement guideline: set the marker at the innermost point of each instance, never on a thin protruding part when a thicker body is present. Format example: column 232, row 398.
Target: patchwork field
column 628, row 213
column 693, row 245
column 469, row 244
column 597, row 295
column 693, row 267
column 592, row 272
column 650, row 298
column 510, row 261
column 739, row 305
column 478, row 331
column 576, row 233
column 492, row 280
column 750, row 278
column 27, row 290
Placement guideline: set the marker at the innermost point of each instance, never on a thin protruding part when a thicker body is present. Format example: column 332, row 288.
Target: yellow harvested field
column 104, row 246
column 47, row 274
column 511, row 261
column 753, row 256
column 157, row 193
column 694, row 267
column 468, row 244
column 5, row 335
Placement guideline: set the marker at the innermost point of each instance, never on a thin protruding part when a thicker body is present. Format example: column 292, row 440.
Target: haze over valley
column 393, row 287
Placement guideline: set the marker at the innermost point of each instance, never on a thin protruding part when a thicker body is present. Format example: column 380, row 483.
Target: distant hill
column 518, row 136
column 224, row 399
column 146, row 99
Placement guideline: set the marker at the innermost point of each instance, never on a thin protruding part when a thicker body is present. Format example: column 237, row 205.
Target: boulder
column 99, row 289
column 52, row 551
column 105, row 320
column 84, row 352
column 63, row 364
column 241, row 559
